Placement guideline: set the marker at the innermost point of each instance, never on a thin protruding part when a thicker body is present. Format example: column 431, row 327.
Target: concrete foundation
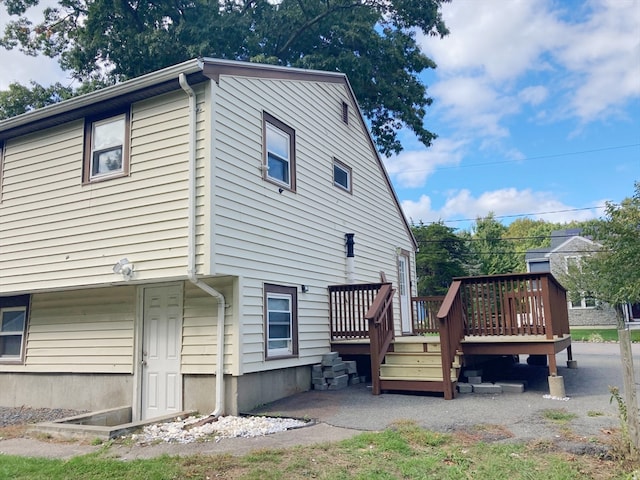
column 255, row 389
column 572, row 364
column 66, row 390
column 556, row 386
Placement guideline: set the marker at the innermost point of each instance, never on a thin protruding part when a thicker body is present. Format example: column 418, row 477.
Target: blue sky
column 536, row 105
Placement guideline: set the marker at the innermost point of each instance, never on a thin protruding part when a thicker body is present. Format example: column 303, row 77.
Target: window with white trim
column 281, row 321
column 341, row 175
column 13, row 324
column 279, row 153
column 106, row 147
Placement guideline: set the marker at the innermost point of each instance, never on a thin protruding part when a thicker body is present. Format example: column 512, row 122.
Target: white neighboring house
column 167, row 243
column 566, row 250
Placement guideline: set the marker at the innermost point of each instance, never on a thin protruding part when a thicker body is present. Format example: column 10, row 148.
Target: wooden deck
column 489, row 315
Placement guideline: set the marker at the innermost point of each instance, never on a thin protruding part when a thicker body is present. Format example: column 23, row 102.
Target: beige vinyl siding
column 58, row 233
column 200, row 328
column 80, row 331
column 297, row 238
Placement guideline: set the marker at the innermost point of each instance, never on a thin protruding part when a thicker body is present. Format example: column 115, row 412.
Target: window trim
column 20, row 302
column 89, row 123
column 275, row 291
column 348, row 170
column 270, row 120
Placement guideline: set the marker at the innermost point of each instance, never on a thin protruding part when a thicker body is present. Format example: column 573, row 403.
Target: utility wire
column 537, row 157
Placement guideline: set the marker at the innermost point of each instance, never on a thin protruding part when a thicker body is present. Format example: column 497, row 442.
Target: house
column 566, row 249
column 168, row 242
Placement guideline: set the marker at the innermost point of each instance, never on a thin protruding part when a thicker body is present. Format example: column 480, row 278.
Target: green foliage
column 372, row 41
column 598, row 335
column 494, row 254
column 441, row 256
column 19, row 99
column 612, row 274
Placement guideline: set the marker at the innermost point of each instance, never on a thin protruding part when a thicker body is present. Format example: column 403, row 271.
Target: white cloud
column 534, row 95
column 461, row 204
column 410, row 169
column 603, row 56
column 584, row 69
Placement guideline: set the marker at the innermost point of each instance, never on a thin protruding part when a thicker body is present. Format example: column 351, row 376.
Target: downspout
column 191, row 252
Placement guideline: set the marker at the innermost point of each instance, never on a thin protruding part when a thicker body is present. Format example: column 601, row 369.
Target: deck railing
column 515, row 304
column 451, row 329
column 381, row 331
column 425, row 314
column 348, row 307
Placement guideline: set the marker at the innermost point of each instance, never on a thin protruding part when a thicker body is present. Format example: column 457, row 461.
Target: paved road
column 344, row 413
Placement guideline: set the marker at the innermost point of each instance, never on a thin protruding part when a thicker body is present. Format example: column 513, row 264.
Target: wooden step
column 414, row 372
column 413, row 358
column 416, row 347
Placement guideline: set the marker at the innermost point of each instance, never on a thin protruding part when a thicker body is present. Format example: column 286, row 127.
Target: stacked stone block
column 333, row 373
column 474, row 384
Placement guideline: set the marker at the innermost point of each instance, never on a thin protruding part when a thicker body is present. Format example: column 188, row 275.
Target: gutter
column 191, row 252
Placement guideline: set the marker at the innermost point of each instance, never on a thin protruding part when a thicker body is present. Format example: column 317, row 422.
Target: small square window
column 106, row 148
column 281, row 321
column 341, row 175
column 279, row 153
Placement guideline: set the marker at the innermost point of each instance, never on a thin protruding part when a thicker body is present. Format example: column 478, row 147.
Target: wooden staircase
column 415, row 364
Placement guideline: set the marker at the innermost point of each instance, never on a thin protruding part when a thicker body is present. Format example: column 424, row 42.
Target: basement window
column 281, row 321
column 13, row 325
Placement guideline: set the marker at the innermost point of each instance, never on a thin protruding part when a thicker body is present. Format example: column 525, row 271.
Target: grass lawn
column 403, row 452
column 600, row 335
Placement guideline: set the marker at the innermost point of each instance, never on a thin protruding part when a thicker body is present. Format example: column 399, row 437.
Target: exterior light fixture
column 124, row 268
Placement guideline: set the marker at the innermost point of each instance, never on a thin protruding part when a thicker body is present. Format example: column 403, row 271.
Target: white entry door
column 161, row 341
column 404, row 291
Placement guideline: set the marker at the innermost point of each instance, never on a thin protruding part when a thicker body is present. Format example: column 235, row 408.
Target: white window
column 279, row 148
column 280, row 321
column 341, row 175
column 107, row 141
column 12, row 325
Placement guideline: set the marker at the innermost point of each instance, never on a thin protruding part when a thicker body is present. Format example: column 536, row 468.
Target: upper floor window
column 13, row 323
column 279, row 153
column 281, row 320
column 572, row 264
column 106, row 147
column 341, row 175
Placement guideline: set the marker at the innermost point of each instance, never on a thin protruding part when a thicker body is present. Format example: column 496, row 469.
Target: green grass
column 600, row 335
column 405, row 451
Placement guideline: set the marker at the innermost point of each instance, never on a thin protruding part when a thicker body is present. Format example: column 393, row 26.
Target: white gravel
column 225, row 427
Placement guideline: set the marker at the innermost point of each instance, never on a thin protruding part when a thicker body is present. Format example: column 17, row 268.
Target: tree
column 612, row 275
column 494, row 254
column 372, row 41
column 20, row 99
column 440, row 257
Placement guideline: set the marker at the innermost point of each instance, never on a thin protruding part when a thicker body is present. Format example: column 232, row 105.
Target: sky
column 536, row 104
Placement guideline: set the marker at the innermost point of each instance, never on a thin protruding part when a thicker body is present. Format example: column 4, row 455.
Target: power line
column 521, row 214
column 538, row 157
